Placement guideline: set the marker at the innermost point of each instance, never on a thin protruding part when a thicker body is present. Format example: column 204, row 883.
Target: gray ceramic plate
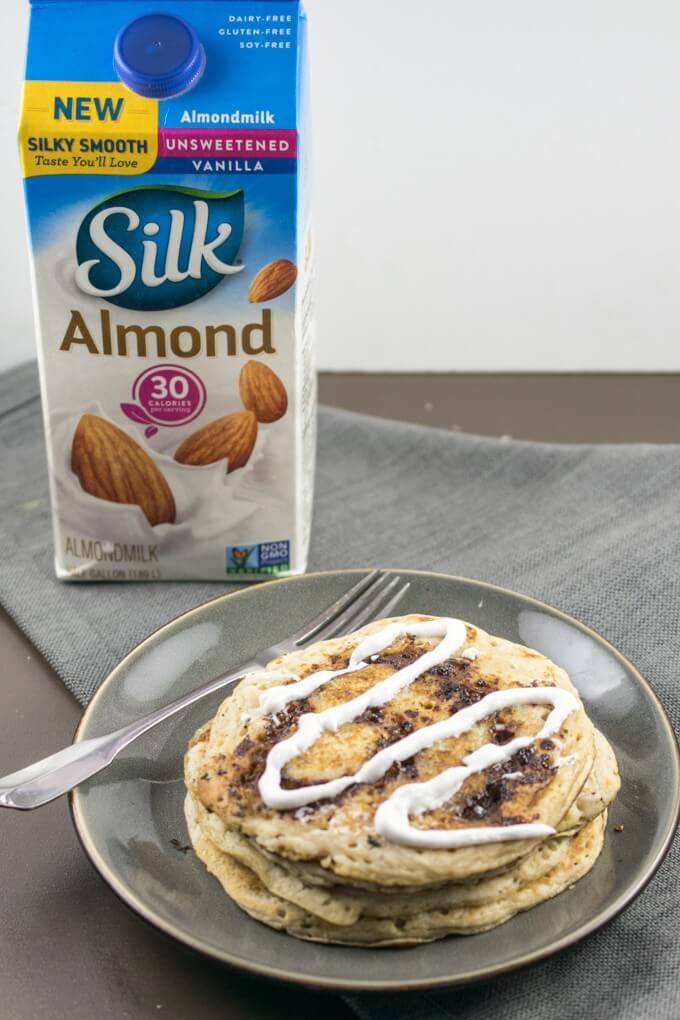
column 130, row 817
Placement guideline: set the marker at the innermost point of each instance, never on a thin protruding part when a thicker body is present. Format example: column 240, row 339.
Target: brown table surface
column 68, row 947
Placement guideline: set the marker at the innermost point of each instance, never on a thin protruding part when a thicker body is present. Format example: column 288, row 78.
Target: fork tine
column 378, row 604
column 386, row 610
column 310, row 628
column 366, row 600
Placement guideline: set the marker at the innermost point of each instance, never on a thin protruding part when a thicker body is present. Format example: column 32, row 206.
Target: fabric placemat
column 595, row 530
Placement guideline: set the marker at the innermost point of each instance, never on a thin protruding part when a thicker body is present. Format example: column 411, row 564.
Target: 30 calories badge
column 165, row 395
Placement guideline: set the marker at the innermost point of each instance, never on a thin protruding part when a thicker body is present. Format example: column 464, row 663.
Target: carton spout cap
column 158, row 56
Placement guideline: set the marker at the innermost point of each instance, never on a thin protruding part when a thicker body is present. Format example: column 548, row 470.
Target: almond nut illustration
column 112, row 466
column 262, row 392
column 272, row 280
column 231, row 437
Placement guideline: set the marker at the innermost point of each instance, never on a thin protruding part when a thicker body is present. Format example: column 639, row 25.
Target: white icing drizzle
column 392, row 816
column 453, row 635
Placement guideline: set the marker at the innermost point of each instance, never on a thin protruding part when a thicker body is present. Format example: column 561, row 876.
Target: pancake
column 552, row 868
column 598, row 791
column 307, row 885
column 345, row 905
column 338, row 835
column 415, row 779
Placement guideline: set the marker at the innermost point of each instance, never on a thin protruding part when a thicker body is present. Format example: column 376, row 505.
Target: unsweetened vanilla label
column 164, row 153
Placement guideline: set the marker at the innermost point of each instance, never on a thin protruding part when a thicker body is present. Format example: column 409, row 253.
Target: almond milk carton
column 164, row 151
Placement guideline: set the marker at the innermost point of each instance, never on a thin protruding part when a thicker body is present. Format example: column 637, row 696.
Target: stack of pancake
column 394, row 786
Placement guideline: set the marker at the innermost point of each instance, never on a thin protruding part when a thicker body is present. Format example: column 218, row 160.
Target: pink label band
column 189, row 143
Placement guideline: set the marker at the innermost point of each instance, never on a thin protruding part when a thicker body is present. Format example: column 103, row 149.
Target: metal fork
column 373, row 596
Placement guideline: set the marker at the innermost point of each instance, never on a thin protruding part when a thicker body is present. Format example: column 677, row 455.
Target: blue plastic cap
column 158, row 56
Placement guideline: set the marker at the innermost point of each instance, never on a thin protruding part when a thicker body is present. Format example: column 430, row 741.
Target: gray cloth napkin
column 594, row 530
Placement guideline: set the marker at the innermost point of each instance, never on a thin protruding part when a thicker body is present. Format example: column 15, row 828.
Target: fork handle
column 51, row 777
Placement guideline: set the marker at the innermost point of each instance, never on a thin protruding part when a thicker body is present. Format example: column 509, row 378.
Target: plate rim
column 623, row 900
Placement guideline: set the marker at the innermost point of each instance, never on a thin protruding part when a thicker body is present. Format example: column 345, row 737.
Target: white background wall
column 497, row 184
